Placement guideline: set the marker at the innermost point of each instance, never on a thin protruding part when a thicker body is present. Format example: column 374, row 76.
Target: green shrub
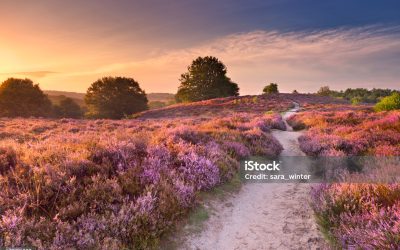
column 356, row 100
column 271, row 88
column 391, row 102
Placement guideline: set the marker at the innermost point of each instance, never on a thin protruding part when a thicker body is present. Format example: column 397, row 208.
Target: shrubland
column 107, row 184
column 355, row 214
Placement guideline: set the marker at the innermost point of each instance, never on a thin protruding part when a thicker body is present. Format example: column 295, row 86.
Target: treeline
column 358, row 95
column 108, row 97
column 114, row 97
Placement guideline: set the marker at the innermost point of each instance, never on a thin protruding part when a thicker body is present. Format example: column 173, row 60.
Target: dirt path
column 262, row 215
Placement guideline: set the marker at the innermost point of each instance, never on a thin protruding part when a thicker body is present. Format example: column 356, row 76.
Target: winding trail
column 263, row 215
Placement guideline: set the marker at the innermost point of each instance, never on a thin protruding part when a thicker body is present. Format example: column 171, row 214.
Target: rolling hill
column 56, row 96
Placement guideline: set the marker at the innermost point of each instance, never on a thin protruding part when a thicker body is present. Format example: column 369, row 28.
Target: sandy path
column 262, row 215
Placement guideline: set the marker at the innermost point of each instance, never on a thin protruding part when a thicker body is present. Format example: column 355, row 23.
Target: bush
column 391, row 102
column 67, row 108
column 356, row 100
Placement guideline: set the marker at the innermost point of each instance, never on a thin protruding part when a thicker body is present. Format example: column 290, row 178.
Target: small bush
column 391, row 102
column 67, row 108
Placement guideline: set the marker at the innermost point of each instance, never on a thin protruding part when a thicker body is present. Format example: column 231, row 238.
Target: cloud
column 35, row 74
column 341, row 58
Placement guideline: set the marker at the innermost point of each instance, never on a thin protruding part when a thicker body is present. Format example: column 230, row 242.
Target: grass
column 198, row 216
column 224, row 190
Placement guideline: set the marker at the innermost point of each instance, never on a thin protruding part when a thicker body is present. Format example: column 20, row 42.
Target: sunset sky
column 300, row 44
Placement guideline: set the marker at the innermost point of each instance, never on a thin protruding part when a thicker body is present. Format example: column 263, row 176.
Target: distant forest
column 358, row 95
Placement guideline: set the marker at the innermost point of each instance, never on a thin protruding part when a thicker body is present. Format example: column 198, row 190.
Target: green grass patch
column 223, row 190
column 198, row 216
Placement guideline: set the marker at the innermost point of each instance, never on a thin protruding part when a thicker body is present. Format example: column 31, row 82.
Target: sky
column 299, row 44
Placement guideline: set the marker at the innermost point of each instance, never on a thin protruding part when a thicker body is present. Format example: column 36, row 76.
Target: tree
column 391, row 102
column 357, row 95
column 295, row 92
column 206, row 79
column 68, row 108
column 20, row 97
column 324, row 91
column 271, row 88
column 115, row 98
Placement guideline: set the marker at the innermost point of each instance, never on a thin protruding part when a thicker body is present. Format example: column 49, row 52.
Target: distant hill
column 161, row 97
column 73, row 95
column 56, row 96
column 255, row 104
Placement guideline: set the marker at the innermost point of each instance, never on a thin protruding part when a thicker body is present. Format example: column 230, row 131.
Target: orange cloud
column 362, row 57
column 35, row 74
column 357, row 57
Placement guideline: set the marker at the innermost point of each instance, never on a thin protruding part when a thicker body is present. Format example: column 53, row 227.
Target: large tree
column 20, row 97
column 115, row 98
column 205, row 79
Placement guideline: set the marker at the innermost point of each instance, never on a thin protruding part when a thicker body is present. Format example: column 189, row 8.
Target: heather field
column 107, row 184
column 355, row 215
column 199, row 125
column 123, row 184
column 255, row 104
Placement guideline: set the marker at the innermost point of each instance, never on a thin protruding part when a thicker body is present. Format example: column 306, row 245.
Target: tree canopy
column 271, row 88
column 115, row 98
column 20, row 97
column 205, row 79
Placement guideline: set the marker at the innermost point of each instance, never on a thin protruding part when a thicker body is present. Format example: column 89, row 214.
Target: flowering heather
column 349, row 132
column 223, row 107
column 359, row 216
column 356, row 216
column 102, row 184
